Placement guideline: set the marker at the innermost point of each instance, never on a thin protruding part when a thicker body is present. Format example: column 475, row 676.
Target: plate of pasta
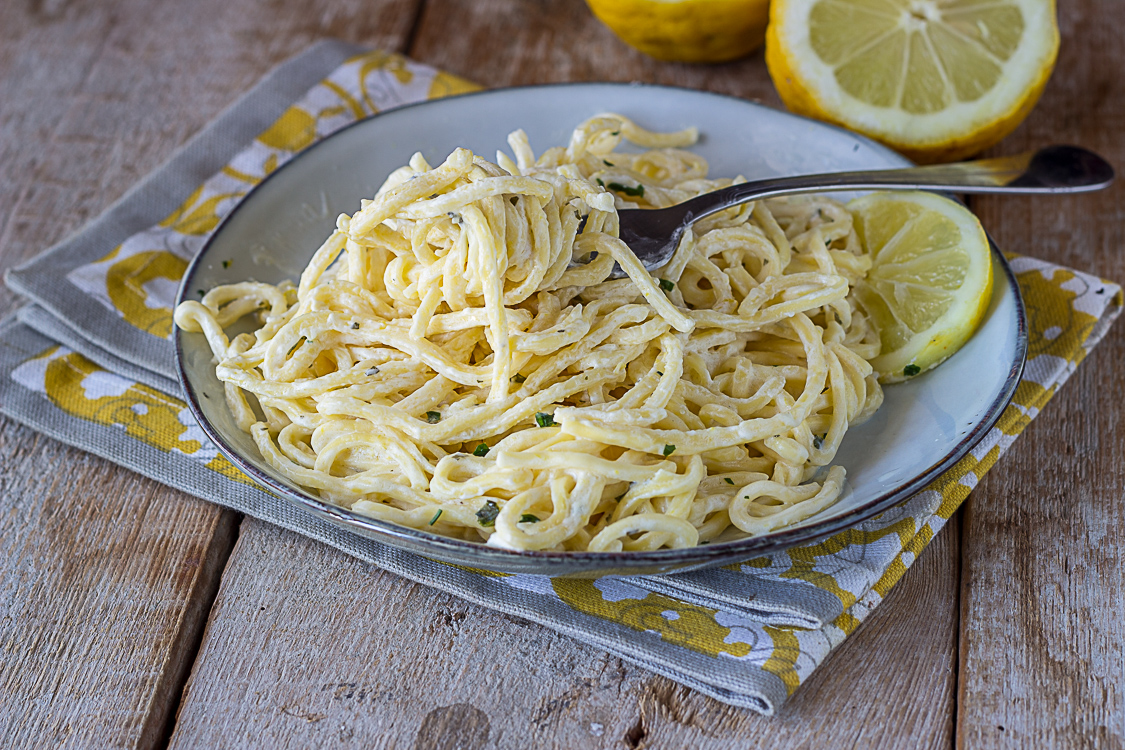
column 413, row 330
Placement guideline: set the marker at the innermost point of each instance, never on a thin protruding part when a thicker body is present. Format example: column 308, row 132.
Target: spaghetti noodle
column 456, row 357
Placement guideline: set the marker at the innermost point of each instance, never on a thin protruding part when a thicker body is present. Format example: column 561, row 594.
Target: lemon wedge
column 698, row 31
column 930, row 281
column 938, row 80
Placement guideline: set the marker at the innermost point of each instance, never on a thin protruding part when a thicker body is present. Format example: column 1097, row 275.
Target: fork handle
column 1054, row 169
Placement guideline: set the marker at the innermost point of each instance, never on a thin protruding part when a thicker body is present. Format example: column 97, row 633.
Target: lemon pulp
column 930, row 281
column 936, row 79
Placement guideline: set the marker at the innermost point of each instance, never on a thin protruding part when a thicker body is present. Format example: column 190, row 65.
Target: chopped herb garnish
column 355, row 325
column 481, row 450
column 667, row 285
column 616, row 132
column 658, row 372
column 517, row 378
column 226, row 264
column 911, row 370
column 607, row 163
column 435, row 518
column 200, row 292
column 544, row 420
column 599, row 181
column 296, row 346
column 728, row 480
column 433, row 417
column 528, row 518
column 486, row 516
column 637, row 192
column 373, row 371
column 669, row 450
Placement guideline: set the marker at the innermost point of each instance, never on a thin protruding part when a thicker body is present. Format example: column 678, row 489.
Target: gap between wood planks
column 211, row 577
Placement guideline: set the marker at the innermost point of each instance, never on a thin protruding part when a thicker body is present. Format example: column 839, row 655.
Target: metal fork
column 653, row 234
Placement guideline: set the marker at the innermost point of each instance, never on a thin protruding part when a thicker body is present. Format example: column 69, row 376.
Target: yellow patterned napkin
column 90, row 363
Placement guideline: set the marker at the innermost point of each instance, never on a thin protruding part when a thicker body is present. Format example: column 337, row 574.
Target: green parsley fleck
column 517, row 378
column 544, row 420
column 599, row 181
column 481, row 450
column 435, row 518
column 433, row 417
column 911, row 370
column 669, row 450
column 296, row 346
column 636, row 192
column 616, row 132
column 607, row 163
column 226, row 264
column 728, row 480
column 200, row 292
column 667, row 285
column 486, row 516
column 528, row 518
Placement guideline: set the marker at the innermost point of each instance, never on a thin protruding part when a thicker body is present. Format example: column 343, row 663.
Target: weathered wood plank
column 307, row 647
column 1042, row 662
column 106, row 578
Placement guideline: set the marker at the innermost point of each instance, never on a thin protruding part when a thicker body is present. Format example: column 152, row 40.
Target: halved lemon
column 930, row 281
column 698, row 31
column 938, row 80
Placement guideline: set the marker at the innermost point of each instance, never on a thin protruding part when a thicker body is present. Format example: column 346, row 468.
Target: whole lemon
column 696, row 31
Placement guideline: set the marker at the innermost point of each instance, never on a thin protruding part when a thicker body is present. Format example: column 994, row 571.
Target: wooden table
column 132, row 615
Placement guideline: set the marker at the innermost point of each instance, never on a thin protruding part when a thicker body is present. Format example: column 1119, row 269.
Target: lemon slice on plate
column 699, row 31
column 930, row 281
column 938, row 80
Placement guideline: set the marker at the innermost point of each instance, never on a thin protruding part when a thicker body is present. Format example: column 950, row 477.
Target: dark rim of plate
column 720, row 552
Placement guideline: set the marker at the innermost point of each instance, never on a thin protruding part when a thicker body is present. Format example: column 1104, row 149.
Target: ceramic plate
column 923, row 427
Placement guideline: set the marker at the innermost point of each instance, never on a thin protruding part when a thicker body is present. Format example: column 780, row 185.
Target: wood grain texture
column 308, row 647
column 106, row 581
column 106, row 578
column 1042, row 635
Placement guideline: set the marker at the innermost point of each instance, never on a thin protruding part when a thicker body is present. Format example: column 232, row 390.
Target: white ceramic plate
column 923, row 427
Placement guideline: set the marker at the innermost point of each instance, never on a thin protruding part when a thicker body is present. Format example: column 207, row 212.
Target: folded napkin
column 90, row 363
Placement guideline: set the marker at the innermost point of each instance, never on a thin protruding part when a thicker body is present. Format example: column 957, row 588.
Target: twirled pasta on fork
column 443, row 362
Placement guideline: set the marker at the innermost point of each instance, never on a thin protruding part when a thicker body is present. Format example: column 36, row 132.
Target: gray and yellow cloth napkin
column 90, row 363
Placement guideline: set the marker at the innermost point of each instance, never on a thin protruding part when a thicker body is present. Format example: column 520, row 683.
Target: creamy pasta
column 456, row 357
